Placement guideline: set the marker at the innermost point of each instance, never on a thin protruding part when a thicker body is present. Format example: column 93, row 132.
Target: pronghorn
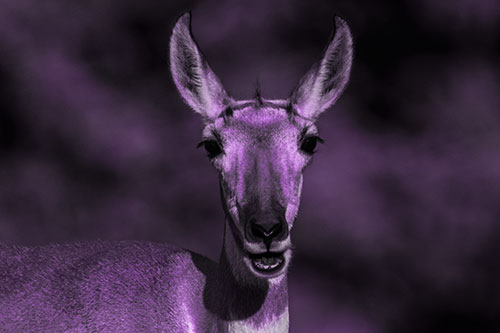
column 260, row 148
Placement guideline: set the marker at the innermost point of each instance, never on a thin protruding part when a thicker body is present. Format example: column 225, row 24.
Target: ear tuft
column 196, row 82
column 323, row 84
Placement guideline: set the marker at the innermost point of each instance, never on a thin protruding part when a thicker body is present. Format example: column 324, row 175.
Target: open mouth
column 268, row 262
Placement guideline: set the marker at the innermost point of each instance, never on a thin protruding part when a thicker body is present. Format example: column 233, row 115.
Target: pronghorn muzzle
column 266, row 234
column 264, row 224
column 266, row 231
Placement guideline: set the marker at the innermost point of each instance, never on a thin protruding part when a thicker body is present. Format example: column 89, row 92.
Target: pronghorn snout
column 266, row 230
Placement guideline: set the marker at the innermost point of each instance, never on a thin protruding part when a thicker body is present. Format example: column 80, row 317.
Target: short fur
column 143, row 287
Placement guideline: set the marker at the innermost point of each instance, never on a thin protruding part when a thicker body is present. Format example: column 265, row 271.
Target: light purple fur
column 141, row 287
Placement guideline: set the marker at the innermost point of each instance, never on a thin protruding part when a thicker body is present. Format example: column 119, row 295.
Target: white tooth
column 261, row 265
column 264, row 266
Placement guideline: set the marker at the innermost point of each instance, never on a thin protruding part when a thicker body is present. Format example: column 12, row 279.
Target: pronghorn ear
column 323, row 84
column 194, row 79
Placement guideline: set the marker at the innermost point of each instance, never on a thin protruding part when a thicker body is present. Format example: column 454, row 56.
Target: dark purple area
column 398, row 229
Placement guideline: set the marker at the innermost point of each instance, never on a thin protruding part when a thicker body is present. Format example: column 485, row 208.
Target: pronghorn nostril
column 266, row 231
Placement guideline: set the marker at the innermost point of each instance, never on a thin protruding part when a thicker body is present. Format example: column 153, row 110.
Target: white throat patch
column 275, row 325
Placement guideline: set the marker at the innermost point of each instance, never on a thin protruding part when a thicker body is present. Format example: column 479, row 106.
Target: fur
column 142, row 287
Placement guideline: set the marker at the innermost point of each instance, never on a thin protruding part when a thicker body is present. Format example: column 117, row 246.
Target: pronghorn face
column 260, row 151
column 260, row 147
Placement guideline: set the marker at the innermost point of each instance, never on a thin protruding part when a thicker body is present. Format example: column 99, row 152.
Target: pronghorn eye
column 308, row 145
column 212, row 147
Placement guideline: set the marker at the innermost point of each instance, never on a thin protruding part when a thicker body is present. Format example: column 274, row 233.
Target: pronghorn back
column 99, row 286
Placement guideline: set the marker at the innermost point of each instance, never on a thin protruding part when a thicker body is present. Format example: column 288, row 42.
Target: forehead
column 256, row 120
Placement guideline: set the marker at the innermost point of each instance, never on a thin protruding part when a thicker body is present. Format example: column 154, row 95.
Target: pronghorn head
column 260, row 147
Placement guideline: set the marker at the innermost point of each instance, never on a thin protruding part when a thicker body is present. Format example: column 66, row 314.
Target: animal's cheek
column 291, row 213
column 218, row 165
column 294, row 198
column 293, row 185
column 228, row 184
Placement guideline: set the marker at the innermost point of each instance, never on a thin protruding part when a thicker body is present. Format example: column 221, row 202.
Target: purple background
column 398, row 229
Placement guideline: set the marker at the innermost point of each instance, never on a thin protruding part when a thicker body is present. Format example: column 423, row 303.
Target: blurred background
column 399, row 225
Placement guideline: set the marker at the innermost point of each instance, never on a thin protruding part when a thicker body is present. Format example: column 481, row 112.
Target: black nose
column 266, row 231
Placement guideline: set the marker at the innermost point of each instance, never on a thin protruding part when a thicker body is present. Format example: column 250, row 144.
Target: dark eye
column 212, row 147
column 308, row 145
